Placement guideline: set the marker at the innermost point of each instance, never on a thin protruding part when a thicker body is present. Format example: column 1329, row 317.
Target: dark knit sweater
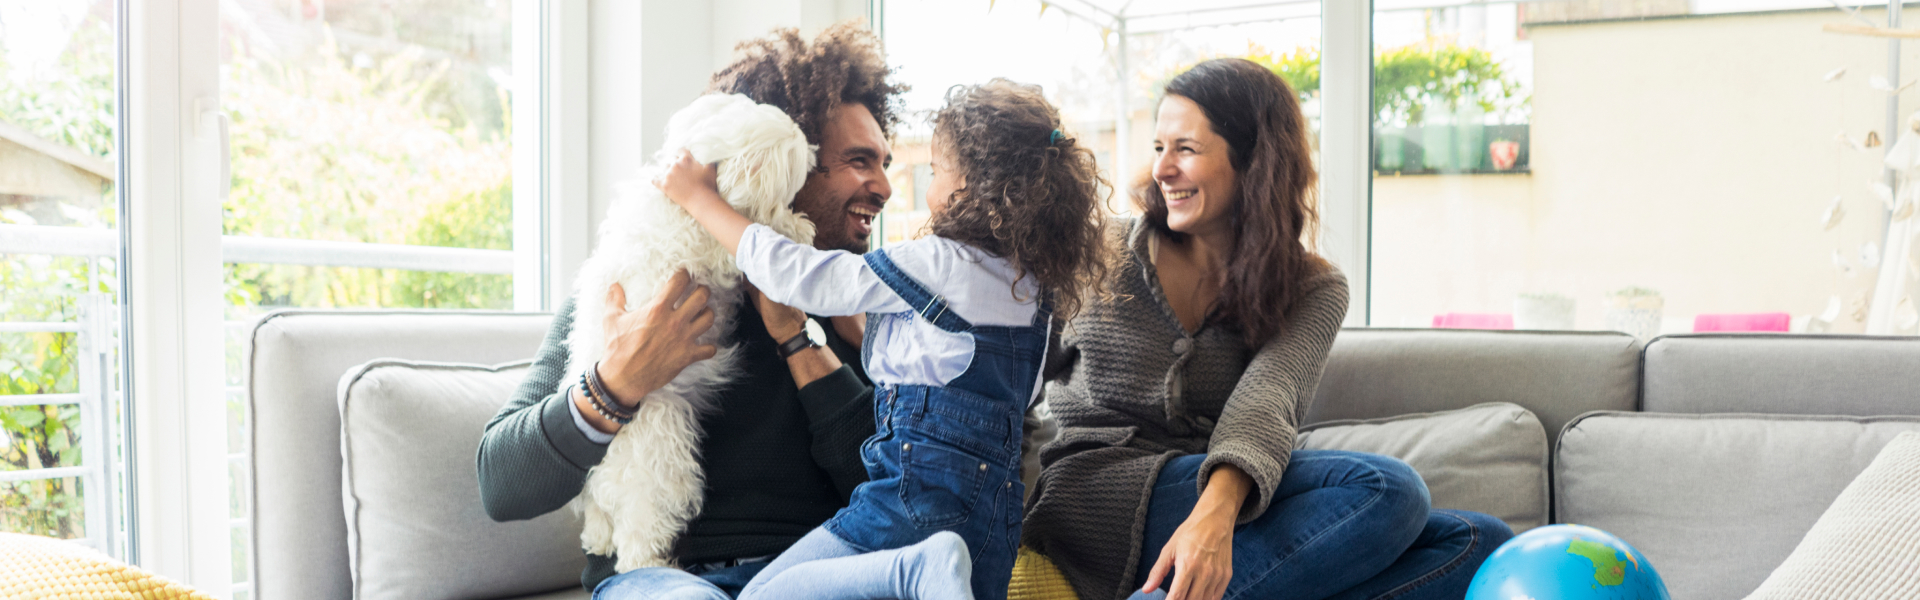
column 779, row 460
column 1136, row 390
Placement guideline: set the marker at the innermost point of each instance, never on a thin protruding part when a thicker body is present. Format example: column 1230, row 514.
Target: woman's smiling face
column 1194, row 169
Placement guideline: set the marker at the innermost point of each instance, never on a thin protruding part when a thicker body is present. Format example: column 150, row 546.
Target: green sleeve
column 533, row 459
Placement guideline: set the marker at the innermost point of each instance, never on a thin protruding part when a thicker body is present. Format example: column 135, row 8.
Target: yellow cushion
column 1035, row 578
column 39, row 568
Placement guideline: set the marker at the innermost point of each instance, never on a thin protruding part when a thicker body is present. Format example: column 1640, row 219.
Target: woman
column 1179, row 390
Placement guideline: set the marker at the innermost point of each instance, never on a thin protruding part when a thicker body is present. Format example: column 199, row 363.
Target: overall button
column 1181, row 346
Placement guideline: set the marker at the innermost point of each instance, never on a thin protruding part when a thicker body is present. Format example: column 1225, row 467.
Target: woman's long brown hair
column 1272, row 156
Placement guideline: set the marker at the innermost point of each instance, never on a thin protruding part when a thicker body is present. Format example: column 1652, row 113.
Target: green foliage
column 1410, row 79
column 1407, row 81
column 321, row 149
column 326, row 150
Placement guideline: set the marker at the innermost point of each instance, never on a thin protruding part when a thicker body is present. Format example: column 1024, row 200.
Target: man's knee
column 659, row 583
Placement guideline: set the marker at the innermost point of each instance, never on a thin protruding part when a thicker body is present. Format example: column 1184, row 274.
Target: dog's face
column 763, row 157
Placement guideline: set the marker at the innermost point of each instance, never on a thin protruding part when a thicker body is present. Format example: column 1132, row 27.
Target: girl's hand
column 1200, row 554
column 687, row 182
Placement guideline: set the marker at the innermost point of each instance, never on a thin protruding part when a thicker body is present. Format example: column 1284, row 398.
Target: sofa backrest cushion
column 1783, row 374
column 409, row 433
column 299, row 543
column 1375, row 373
column 1715, row 502
column 1489, row 458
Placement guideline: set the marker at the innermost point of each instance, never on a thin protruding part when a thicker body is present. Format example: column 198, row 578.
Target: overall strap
column 928, row 305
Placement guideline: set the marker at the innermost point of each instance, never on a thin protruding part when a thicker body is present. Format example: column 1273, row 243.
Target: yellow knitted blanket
column 1035, row 578
column 38, row 568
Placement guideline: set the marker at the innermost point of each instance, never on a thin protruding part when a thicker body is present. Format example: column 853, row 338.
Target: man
column 781, row 454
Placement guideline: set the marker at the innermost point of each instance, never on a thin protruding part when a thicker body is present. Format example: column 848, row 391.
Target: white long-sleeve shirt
column 907, row 349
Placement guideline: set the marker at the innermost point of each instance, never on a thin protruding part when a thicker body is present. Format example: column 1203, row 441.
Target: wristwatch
column 800, row 341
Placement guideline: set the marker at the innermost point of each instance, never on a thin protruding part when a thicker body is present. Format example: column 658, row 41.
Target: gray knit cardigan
column 1136, row 390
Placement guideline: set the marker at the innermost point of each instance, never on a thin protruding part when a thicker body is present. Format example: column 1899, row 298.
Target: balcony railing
column 99, row 321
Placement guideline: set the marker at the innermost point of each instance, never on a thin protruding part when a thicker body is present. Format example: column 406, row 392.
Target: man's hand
column 782, row 321
column 649, row 347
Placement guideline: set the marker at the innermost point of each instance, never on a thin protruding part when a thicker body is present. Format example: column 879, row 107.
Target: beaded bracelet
column 602, row 401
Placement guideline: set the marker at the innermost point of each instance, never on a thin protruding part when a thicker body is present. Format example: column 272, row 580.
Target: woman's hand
column 1200, row 554
column 649, row 347
column 687, row 182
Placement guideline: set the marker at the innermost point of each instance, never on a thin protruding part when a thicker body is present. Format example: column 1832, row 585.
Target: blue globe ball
column 1566, row 562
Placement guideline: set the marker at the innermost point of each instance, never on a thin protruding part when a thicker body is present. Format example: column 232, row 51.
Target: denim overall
column 947, row 458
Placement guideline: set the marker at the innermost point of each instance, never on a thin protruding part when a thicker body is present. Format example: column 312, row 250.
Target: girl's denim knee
column 657, row 583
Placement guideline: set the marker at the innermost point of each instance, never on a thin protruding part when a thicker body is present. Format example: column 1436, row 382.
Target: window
column 1101, row 63
column 1652, row 167
column 372, row 162
column 60, row 281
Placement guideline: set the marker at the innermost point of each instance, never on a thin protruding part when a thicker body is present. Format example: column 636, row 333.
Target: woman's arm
column 1256, row 429
column 1250, row 447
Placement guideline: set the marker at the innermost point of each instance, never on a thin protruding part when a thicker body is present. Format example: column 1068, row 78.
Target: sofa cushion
column 1782, row 374
column 409, row 432
column 1714, row 501
column 299, row 545
column 1374, row 373
column 1867, row 545
column 1490, row 458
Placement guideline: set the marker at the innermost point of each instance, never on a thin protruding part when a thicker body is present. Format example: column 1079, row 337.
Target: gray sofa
column 1743, row 442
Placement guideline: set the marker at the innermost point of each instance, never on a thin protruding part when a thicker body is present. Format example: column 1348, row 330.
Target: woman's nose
column 1164, row 168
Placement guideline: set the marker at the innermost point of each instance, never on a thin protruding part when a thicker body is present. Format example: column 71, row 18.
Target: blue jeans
column 821, row 566
column 1342, row 525
column 666, row 583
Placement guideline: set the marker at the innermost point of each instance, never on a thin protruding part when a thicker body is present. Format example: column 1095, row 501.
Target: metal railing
column 98, row 322
column 235, row 249
column 96, row 396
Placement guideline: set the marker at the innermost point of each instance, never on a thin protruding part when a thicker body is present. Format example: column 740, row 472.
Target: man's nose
column 881, row 187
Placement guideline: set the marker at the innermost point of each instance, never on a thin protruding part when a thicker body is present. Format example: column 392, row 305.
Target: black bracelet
column 602, row 401
column 604, row 398
column 613, row 404
column 795, row 344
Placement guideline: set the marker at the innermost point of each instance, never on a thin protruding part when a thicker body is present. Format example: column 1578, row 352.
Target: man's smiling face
column 850, row 188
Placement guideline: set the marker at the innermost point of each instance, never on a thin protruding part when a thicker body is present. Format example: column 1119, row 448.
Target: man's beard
column 832, row 231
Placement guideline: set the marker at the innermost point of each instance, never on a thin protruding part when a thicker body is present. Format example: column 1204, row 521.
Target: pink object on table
column 1742, row 322
column 1473, row 321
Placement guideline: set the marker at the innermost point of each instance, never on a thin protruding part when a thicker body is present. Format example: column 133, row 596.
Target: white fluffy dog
column 641, row 497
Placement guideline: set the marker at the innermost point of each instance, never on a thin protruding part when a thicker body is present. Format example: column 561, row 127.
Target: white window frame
column 175, row 179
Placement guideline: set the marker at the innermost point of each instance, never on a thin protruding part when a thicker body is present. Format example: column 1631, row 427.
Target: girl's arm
column 829, row 283
column 692, row 186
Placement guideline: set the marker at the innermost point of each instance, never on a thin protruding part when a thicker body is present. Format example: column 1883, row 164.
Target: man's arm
column 533, row 459
column 838, row 404
column 535, row 453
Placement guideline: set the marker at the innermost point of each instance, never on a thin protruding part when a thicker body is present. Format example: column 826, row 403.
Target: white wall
column 1693, row 156
column 652, row 57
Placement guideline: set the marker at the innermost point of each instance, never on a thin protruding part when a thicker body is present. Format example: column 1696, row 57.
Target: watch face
column 816, row 333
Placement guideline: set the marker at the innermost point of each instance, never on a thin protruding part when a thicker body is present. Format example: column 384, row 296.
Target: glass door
column 61, row 418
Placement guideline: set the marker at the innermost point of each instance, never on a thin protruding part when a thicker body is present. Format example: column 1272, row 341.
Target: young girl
column 957, row 329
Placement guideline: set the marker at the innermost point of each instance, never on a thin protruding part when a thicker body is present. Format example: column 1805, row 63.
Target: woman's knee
column 1485, row 532
column 1396, row 488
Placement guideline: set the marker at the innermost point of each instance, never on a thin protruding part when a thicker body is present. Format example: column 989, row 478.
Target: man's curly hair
column 845, row 64
column 1031, row 193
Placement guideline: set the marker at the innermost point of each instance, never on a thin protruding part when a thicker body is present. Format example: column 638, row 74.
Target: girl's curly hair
column 1031, row 193
column 845, row 64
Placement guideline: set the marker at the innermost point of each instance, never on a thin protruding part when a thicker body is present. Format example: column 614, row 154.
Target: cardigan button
column 1181, row 346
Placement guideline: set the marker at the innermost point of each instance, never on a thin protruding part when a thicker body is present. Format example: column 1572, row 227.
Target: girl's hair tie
column 1055, row 140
